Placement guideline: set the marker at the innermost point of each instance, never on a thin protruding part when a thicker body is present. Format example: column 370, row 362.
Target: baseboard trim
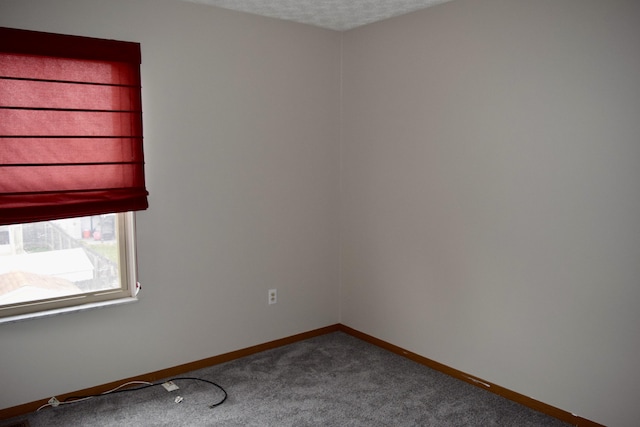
column 552, row 411
column 26, row 408
column 473, row 380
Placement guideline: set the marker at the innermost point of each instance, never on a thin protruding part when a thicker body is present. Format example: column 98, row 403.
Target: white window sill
column 76, row 308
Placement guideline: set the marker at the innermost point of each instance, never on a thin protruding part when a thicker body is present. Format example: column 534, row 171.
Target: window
column 65, row 263
column 71, row 170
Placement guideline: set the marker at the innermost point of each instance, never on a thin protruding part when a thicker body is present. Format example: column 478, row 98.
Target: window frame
column 127, row 293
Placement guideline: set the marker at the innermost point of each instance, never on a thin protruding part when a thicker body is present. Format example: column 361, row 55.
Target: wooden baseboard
column 560, row 414
column 26, row 408
column 478, row 382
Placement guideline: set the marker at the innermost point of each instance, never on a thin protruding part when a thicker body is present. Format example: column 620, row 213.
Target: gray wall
column 491, row 194
column 241, row 142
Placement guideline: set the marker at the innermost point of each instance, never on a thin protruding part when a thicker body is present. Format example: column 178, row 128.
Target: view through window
column 59, row 261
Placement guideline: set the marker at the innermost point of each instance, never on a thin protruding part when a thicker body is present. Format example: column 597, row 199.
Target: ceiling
column 337, row 15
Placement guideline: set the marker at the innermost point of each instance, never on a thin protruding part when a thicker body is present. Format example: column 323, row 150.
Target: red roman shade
column 70, row 127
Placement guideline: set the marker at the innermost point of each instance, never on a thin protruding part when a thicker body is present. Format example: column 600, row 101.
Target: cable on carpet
column 145, row 385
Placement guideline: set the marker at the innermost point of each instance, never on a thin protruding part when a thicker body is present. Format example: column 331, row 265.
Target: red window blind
column 70, row 127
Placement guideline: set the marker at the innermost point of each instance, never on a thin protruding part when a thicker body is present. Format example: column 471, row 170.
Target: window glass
column 62, row 262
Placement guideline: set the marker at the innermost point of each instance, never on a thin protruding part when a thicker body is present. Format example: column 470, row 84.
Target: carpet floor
column 330, row 380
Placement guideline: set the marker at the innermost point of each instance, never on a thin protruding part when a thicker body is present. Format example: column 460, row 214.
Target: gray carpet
column 331, row 380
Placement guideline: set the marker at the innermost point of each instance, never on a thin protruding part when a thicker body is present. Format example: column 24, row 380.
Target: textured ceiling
column 332, row 14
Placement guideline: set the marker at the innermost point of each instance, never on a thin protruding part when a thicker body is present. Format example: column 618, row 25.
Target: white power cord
column 54, row 402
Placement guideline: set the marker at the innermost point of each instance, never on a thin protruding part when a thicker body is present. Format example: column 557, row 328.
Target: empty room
column 454, row 181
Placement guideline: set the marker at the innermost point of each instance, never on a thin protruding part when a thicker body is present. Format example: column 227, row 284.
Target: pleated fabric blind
column 70, row 127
